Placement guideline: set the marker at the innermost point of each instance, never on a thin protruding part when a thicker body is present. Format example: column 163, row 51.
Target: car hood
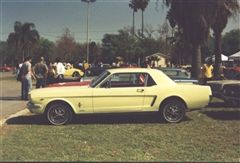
column 59, row 92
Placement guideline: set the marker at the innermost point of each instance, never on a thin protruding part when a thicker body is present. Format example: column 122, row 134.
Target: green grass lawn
column 206, row 135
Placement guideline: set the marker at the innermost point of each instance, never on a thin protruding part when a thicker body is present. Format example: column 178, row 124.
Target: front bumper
column 35, row 108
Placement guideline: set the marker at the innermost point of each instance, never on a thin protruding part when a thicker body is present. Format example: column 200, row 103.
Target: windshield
column 98, row 79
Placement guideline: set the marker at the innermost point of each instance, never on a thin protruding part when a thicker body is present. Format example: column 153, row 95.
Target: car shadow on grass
column 222, row 111
column 121, row 118
column 223, row 115
column 27, row 119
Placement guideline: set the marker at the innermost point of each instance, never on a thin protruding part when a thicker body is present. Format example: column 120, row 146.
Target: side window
column 126, row 80
column 150, row 81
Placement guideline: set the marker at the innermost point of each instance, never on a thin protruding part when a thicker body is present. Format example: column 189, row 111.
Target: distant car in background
column 218, row 87
column 178, row 75
column 232, row 73
column 127, row 65
column 96, row 70
column 231, row 94
column 73, row 72
column 6, row 68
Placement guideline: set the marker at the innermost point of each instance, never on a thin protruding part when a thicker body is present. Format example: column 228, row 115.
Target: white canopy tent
column 235, row 56
column 224, row 57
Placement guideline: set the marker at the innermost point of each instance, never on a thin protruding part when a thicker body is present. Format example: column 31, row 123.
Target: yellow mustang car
column 74, row 72
column 120, row 90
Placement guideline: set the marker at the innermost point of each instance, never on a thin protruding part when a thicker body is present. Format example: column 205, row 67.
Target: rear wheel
column 173, row 111
column 75, row 74
column 59, row 113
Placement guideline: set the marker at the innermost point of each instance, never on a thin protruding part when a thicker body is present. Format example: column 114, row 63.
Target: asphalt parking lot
column 10, row 98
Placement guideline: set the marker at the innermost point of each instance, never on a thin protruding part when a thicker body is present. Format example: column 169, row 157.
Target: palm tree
column 14, row 38
column 142, row 5
column 30, row 38
column 193, row 18
column 24, row 38
column 133, row 6
column 225, row 9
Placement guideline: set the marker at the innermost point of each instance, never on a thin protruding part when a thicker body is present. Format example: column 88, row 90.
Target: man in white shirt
column 60, row 69
column 26, row 77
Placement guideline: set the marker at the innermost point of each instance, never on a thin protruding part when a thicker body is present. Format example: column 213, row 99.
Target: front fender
column 60, row 100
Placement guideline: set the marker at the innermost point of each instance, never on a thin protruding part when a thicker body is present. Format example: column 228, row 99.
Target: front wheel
column 59, row 113
column 173, row 111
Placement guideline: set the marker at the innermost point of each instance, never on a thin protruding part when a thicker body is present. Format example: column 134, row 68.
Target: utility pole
column 88, row 6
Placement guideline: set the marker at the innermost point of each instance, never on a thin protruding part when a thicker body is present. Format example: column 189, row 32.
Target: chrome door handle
column 140, row 90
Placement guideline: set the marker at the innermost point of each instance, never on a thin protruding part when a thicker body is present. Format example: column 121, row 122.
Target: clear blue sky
column 51, row 17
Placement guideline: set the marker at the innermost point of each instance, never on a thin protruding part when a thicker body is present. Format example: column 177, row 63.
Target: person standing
column 51, row 76
column 60, row 69
column 26, row 77
column 207, row 71
column 85, row 67
column 40, row 71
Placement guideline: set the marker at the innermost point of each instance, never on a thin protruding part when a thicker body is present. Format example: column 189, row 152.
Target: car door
column 121, row 92
column 151, row 94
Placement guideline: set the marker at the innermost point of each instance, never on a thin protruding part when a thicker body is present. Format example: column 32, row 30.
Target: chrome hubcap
column 58, row 114
column 173, row 113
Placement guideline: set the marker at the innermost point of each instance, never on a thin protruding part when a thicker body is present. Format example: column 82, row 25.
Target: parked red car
column 5, row 68
column 232, row 73
column 83, row 83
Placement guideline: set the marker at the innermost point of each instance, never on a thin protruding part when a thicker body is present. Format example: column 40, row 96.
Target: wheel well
column 58, row 101
column 75, row 73
column 172, row 98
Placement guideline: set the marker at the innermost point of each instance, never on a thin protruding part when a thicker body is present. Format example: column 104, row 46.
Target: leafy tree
column 24, row 38
column 165, row 35
column 231, row 42
column 46, row 49
column 114, row 46
column 180, row 51
column 225, row 9
column 65, row 46
column 5, row 54
column 78, row 53
column 194, row 19
column 95, row 53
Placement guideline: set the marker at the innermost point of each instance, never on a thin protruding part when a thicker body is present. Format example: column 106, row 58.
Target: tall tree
column 24, row 38
column 134, row 7
column 5, row 53
column 46, row 49
column 193, row 18
column 66, row 46
column 142, row 5
column 225, row 9
column 113, row 46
